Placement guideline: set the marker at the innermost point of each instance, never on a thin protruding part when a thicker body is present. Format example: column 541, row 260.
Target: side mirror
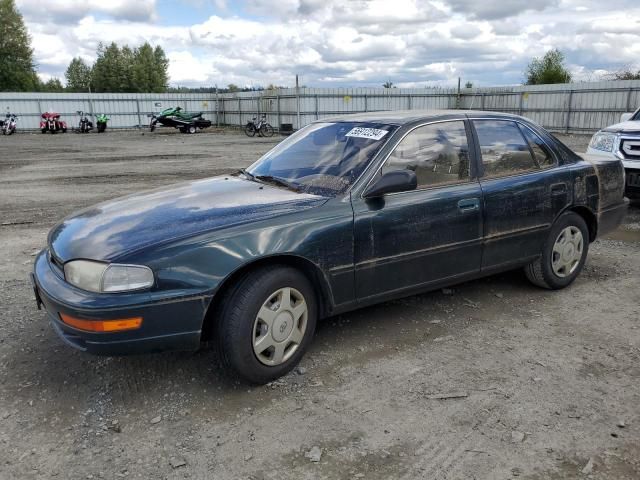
column 625, row 117
column 391, row 182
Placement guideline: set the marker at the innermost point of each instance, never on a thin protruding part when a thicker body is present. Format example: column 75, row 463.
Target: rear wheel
column 266, row 130
column 563, row 254
column 192, row 129
column 250, row 130
column 266, row 324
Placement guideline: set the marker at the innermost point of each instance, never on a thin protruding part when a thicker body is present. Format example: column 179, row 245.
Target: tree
column 17, row 69
column 161, row 74
column 78, row 76
column 53, row 85
column 143, row 69
column 388, row 84
column 231, row 88
column 468, row 85
column 625, row 74
column 548, row 69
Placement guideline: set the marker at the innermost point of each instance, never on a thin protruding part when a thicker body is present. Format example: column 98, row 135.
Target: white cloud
column 69, row 11
column 357, row 42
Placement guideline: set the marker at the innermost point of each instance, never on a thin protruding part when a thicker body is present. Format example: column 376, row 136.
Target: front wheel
column 267, row 322
column 266, row 130
column 563, row 254
column 192, row 129
column 250, row 130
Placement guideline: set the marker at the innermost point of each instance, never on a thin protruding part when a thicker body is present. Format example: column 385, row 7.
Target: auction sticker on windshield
column 370, row 133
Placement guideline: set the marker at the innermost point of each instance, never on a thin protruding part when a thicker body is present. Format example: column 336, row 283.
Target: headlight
column 603, row 141
column 109, row 278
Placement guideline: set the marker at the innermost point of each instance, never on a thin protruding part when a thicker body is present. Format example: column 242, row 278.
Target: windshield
column 323, row 158
column 636, row 116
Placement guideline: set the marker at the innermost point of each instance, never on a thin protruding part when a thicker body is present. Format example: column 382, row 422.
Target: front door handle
column 469, row 205
column 558, row 189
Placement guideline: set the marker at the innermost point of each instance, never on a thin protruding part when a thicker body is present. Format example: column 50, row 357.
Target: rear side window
column 541, row 153
column 438, row 153
column 504, row 149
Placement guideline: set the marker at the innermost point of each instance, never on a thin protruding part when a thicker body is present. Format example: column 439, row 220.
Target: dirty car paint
column 197, row 236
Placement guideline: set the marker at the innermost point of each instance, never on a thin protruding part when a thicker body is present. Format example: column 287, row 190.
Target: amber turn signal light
column 116, row 325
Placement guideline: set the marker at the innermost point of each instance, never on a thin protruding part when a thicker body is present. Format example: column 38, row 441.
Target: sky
column 412, row 43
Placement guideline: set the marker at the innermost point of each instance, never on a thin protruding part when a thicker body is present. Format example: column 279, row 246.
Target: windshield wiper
column 250, row 176
column 277, row 181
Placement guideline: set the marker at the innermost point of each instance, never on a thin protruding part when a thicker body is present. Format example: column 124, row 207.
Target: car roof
column 401, row 117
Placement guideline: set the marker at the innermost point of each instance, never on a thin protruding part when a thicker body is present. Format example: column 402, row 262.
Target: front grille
column 633, row 179
column 630, row 148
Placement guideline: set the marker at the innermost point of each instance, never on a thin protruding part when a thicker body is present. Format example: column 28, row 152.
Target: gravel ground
column 492, row 379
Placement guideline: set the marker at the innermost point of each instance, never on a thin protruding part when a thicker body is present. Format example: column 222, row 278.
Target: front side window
column 504, row 149
column 438, row 153
column 323, row 158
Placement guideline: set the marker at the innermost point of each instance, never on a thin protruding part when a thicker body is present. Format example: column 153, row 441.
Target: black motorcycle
column 85, row 125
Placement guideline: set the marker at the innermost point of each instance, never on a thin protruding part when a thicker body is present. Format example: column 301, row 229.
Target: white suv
column 622, row 141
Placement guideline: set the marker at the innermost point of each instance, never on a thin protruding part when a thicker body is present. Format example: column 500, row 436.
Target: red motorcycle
column 51, row 123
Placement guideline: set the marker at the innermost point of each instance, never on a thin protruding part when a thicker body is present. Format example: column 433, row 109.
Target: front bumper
column 169, row 323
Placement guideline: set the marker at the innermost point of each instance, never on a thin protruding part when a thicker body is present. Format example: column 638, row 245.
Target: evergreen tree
column 53, row 85
column 78, row 76
column 127, row 65
column 108, row 73
column 161, row 74
column 17, row 70
column 143, row 69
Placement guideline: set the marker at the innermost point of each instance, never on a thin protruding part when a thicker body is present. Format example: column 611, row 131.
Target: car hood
column 111, row 229
column 631, row 126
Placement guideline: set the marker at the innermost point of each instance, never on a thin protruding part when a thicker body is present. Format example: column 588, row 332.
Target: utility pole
column 297, row 102
column 217, row 108
column 458, row 97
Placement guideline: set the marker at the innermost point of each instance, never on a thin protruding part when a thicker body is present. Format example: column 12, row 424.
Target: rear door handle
column 468, row 205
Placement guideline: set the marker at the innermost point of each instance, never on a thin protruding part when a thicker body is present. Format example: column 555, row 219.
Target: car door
column 523, row 188
column 433, row 233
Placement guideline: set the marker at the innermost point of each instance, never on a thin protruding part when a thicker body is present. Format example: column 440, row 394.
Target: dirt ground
column 494, row 379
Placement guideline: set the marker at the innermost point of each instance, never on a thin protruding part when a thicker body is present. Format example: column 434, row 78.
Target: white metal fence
column 579, row 107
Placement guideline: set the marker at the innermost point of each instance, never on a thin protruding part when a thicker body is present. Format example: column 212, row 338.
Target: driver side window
column 438, row 153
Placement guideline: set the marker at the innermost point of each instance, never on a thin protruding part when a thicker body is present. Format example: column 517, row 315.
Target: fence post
column 239, row 111
column 520, row 103
column 298, row 108
column 483, row 95
column 278, row 107
column 217, row 108
column 409, row 102
column 568, row 120
column 316, row 98
column 629, row 99
column 365, row 103
column 138, row 109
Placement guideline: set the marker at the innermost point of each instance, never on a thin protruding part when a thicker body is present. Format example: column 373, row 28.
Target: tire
column 192, row 129
column 241, row 326
column 266, row 130
column 250, row 130
column 560, row 264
